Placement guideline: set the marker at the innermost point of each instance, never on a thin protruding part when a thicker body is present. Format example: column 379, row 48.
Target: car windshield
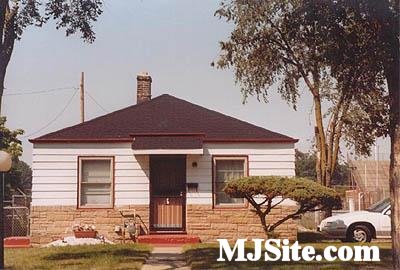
column 379, row 206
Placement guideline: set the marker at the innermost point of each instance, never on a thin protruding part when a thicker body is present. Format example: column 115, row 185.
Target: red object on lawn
column 85, row 234
column 17, row 242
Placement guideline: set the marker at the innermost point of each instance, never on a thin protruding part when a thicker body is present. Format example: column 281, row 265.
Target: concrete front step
column 168, row 239
column 166, row 258
column 17, row 242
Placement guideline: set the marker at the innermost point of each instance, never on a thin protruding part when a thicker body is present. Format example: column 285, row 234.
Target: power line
column 33, row 92
column 54, row 119
column 94, row 100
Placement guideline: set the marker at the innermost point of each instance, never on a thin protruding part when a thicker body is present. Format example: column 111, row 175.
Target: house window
column 96, row 182
column 226, row 169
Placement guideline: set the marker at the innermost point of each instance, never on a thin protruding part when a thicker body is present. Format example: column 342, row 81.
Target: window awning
column 147, row 144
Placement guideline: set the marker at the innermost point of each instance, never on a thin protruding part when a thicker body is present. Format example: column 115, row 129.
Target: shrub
column 260, row 191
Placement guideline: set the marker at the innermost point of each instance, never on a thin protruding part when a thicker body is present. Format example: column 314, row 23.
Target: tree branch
column 264, row 201
column 331, row 132
column 287, row 47
column 9, row 34
column 278, row 202
column 338, row 135
column 290, row 216
column 254, row 203
column 261, row 214
column 3, row 8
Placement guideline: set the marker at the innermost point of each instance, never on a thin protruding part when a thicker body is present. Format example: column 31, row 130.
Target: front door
column 167, row 193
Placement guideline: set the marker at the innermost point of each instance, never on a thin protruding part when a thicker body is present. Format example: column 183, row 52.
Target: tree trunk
column 392, row 76
column 3, row 65
column 7, row 39
column 317, row 157
column 394, row 172
column 320, row 140
column 395, row 188
column 2, row 78
column 322, row 165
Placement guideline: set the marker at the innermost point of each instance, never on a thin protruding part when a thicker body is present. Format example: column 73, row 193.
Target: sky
column 175, row 41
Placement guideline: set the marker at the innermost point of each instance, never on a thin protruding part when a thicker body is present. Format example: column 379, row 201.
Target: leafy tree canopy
column 20, row 174
column 15, row 16
column 71, row 15
column 19, row 177
column 281, row 43
column 8, row 139
column 261, row 191
column 305, row 167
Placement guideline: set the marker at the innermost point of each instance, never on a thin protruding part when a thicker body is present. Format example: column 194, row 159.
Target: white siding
column 264, row 159
column 55, row 169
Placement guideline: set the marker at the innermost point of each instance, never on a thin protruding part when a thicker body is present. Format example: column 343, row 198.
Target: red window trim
column 78, row 198
column 228, row 206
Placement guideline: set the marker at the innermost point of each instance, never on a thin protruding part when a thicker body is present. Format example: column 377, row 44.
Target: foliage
column 8, row 139
column 71, row 15
column 365, row 34
column 305, row 167
column 341, row 175
column 20, row 176
column 119, row 256
column 361, row 36
column 309, row 195
column 359, row 33
column 280, row 43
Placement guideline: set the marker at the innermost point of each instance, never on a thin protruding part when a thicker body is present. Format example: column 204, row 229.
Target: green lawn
column 204, row 256
column 128, row 256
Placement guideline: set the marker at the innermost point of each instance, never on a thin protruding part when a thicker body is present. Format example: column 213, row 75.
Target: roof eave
column 81, row 140
column 162, row 134
column 254, row 140
column 121, row 140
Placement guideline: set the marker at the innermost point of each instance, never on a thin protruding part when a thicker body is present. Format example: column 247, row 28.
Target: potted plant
column 85, row 231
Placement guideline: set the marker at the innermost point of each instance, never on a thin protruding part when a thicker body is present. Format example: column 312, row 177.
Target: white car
column 359, row 226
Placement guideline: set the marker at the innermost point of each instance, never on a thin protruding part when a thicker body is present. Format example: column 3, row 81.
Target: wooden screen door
column 167, row 193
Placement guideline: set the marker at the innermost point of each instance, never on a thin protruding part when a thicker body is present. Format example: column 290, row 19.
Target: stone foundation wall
column 211, row 224
column 49, row 223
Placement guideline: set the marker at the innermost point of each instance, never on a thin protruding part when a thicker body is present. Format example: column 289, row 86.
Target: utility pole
column 82, row 88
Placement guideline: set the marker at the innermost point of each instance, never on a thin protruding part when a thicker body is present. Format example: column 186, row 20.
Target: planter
column 85, row 234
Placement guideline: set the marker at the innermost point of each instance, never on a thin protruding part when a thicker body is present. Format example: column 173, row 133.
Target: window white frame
column 245, row 160
column 112, row 176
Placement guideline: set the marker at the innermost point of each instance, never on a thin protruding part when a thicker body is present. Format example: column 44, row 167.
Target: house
column 164, row 157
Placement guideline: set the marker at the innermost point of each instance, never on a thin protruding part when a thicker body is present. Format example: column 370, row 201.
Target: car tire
column 359, row 233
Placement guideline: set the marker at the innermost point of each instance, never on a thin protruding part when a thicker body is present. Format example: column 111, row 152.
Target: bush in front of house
column 265, row 193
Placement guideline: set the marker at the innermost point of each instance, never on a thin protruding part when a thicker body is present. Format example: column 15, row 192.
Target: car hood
column 356, row 215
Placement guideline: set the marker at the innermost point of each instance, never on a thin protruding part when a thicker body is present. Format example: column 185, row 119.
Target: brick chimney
column 143, row 87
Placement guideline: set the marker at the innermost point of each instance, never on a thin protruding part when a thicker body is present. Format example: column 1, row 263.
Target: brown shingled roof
column 167, row 141
column 164, row 114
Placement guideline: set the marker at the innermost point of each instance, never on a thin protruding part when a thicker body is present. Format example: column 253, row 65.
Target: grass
column 127, row 256
column 310, row 237
column 204, row 256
